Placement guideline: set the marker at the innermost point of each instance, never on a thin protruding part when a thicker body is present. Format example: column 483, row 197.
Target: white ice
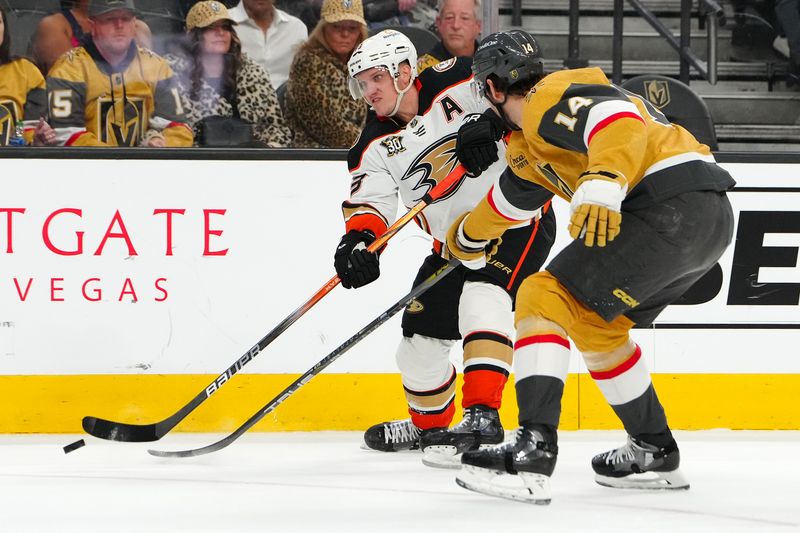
column 740, row 481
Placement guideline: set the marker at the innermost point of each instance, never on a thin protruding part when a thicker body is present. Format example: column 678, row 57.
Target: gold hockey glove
column 595, row 208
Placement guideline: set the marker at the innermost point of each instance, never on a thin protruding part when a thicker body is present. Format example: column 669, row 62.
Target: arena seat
column 679, row 103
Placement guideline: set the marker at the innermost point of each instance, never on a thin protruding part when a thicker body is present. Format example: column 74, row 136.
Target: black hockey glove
column 356, row 266
column 476, row 145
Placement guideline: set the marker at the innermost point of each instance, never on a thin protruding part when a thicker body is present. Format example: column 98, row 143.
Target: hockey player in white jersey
column 407, row 146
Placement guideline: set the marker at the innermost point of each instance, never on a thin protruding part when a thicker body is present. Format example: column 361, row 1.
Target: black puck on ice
column 74, row 446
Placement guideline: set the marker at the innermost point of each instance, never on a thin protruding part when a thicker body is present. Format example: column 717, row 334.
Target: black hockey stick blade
column 316, row 369
column 108, row 430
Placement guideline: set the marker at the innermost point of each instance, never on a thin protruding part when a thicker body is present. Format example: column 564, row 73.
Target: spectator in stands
column 319, row 108
column 788, row 15
column 22, row 94
column 66, row 29
column 110, row 92
column 458, row 24
column 217, row 79
column 269, row 36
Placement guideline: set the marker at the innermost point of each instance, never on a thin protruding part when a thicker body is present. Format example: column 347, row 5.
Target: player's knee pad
column 424, row 362
column 603, row 361
column 542, row 295
column 484, row 307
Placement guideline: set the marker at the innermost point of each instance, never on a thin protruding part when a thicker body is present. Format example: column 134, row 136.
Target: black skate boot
column 516, row 470
column 442, row 447
column 639, row 465
column 392, row 436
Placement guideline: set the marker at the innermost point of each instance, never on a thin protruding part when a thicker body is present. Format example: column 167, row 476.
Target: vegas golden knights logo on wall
column 122, row 122
column 8, row 119
column 657, row 92
column 433, row 166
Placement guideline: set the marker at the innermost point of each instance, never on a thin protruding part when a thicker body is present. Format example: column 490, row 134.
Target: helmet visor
column 357, row 88
column 478, row 90
column 359, row 84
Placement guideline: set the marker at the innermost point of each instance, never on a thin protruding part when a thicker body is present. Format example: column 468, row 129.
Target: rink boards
column 127, row 286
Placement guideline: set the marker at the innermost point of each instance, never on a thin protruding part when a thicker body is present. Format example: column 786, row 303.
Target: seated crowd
column 243, row 74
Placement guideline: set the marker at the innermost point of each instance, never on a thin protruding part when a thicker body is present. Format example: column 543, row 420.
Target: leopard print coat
column 319, row 108
column 256, row 100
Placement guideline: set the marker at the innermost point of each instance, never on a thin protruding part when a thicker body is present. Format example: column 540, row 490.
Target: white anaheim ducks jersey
column 389, row 159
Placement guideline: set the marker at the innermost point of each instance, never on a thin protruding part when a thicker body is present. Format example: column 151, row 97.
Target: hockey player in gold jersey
column 110, row 92
column 649, row 215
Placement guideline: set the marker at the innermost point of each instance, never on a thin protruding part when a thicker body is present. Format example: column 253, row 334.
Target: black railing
column 709, row 10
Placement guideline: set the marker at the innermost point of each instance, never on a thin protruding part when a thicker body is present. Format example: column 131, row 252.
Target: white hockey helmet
column 386, row 49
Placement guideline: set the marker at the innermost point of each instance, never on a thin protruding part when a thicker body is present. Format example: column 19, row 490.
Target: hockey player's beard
column 502, row 112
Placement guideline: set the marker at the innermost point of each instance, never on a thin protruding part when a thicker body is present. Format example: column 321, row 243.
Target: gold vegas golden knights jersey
column 95, row 104
column 576, row 121
column 22, row 97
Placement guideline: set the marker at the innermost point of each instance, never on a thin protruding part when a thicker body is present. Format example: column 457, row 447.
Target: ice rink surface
column 740, row 481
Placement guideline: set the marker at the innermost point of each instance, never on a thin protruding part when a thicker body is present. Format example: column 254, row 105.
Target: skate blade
column 364, row 446
column 524, row 487
column 446, row 457
column 441, row 457
column 647, row 481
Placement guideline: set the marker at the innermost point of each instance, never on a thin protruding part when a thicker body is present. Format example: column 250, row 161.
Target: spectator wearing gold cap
column 217, row 79
column 319, row 108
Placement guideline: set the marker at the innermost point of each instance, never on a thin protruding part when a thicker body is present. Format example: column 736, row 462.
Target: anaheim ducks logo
column 8, row 119
column 121, row 121
column 433, row 166
column 414, row 307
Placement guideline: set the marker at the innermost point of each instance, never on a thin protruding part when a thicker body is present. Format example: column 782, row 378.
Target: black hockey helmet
column 512, row 56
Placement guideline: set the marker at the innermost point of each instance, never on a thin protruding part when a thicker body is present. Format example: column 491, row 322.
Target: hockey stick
column 316, row 369
column 121, row 431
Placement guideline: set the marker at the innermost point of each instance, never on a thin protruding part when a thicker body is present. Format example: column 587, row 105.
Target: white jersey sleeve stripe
column 604, row 113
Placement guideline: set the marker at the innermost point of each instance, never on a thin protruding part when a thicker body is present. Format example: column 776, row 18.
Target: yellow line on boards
column 56, row 404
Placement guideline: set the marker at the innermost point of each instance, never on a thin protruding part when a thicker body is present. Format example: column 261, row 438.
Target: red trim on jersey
column 608, row 120
column 620, row 369
column 495, row 209
column 433, row 100
column 541, row 339
column 366, row 221
column 523, row 255
column 74, row 137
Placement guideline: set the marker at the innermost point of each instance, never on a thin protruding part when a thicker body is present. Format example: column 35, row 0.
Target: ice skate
column 639, row 465
column 516, row 470
column 392, row 436
column 442, row 447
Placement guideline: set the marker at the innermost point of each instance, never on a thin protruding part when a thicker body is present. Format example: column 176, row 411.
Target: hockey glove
column 595, row 208
column 476, row 145
column 356, row 266
column 473, row 254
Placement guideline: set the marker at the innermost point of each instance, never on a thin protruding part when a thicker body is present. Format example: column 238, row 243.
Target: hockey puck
column 74, row 446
